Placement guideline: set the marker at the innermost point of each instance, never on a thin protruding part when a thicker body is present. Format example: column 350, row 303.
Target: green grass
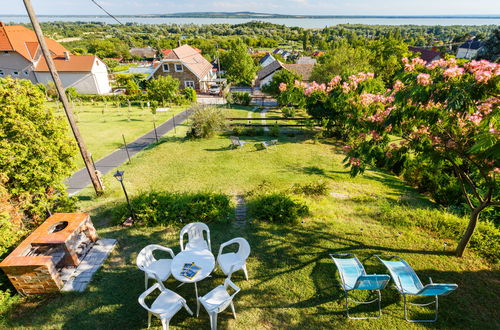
column 293, row 283
column 102, row 125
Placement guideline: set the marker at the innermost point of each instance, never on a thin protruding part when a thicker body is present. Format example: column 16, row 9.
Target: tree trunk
column 464, row 241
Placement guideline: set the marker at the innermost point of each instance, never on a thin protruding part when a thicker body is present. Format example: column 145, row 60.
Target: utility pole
column 64, row 100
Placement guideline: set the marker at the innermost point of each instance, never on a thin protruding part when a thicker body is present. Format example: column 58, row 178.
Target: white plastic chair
column 217, row 301
column 153, row 268
column 196, row 241
column 231, row 262
column 165, row 306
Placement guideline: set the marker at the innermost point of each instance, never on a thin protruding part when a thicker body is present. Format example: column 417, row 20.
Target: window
column 15, row 73
column 189, row 83
column 1, row 73
column 178, row 68
column 166, row 67
column 26, row 73
column 6, row 54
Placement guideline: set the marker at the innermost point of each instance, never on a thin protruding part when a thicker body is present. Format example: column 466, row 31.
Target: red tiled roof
column 22, row 40
column 425, row 54
column 76, row 63
column 165, row 52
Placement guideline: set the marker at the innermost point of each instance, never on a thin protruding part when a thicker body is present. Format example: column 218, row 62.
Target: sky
column 297, row 7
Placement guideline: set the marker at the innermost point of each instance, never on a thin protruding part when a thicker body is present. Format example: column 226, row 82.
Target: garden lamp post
column 119, row 177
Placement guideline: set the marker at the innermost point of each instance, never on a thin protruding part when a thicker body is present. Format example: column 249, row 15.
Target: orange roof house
column 188, row 65
column 21, row 57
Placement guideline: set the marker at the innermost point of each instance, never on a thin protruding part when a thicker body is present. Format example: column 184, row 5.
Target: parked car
column 214, row 90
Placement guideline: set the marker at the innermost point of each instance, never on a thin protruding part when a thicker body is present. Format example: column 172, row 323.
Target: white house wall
column 101, row 77
column 84, row 82
column 11, row 62
column 267, row 79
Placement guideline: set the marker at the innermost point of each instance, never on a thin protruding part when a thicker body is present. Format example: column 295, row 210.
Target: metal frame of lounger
column 355, row 287
column 405, row 293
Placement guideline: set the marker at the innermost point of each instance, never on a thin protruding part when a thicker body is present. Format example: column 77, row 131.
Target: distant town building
column 145, row 52
column 21, row 58
column 427, row 55
column 306, row 60
column 266, row 60
column 469, row 49
column 189, row 66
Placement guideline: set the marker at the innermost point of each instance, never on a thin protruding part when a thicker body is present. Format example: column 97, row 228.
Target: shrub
column 274, row 131
column 289, row 112
column 190, row 94
column 175, row 208
column 311, row 189
column 238, row 130
column 253, row 131
column 277, row 207
column 205, row 122
column 241, row 98
column 36, row 152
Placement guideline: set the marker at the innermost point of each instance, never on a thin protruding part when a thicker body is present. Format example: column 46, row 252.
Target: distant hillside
column 250, row 14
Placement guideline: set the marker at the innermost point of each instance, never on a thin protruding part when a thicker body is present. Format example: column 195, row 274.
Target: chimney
column 66, row 55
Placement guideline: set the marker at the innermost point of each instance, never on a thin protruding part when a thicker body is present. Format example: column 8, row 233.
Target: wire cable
column 109, row 14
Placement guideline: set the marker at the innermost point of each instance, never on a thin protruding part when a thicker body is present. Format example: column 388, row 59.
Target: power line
column 109, row 14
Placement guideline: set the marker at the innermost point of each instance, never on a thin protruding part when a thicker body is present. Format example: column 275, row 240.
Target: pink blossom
column 417, row 61
column 453, row 72
column 335, row 81
column 282, row 87
column 424, row 79
column 409, row 67
column 405, row 60
column 475, row 118
column 346, row 148
column 346, row 88
column 354, row 161
column 388, row 154
column 398, row 85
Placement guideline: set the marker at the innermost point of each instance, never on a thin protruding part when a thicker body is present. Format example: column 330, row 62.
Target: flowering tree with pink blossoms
column 440, row 110
column 444, row 111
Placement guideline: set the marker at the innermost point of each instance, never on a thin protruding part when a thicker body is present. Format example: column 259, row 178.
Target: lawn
column 102, row 125
column 293, row 283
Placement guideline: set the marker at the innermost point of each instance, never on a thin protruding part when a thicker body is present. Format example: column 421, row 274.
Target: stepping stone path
column 241, row 211
column 263, row 115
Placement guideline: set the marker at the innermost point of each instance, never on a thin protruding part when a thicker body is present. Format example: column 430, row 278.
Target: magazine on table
column 190, row 269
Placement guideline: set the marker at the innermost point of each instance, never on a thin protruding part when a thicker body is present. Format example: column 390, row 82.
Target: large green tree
column 36, row 151
column 239, row 65
column 342, row 61
column 164, row 89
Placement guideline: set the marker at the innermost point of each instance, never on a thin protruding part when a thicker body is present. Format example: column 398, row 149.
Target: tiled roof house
column 21, row 57
column 189, row 66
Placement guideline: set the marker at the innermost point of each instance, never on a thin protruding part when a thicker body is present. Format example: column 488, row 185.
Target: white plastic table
column 202, row 258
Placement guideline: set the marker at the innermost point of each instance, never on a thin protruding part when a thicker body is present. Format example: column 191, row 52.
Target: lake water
column 301, row 22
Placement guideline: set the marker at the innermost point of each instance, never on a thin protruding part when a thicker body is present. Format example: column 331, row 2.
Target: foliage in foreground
column 440, row 111
column 206, row 122
column 277, row 207
column 178, row 208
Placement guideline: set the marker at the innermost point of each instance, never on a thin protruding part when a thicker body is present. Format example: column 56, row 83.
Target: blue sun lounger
column 408, row 283
column 354, row 277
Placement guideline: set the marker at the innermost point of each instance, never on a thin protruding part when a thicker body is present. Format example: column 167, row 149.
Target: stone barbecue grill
column 42, row 262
